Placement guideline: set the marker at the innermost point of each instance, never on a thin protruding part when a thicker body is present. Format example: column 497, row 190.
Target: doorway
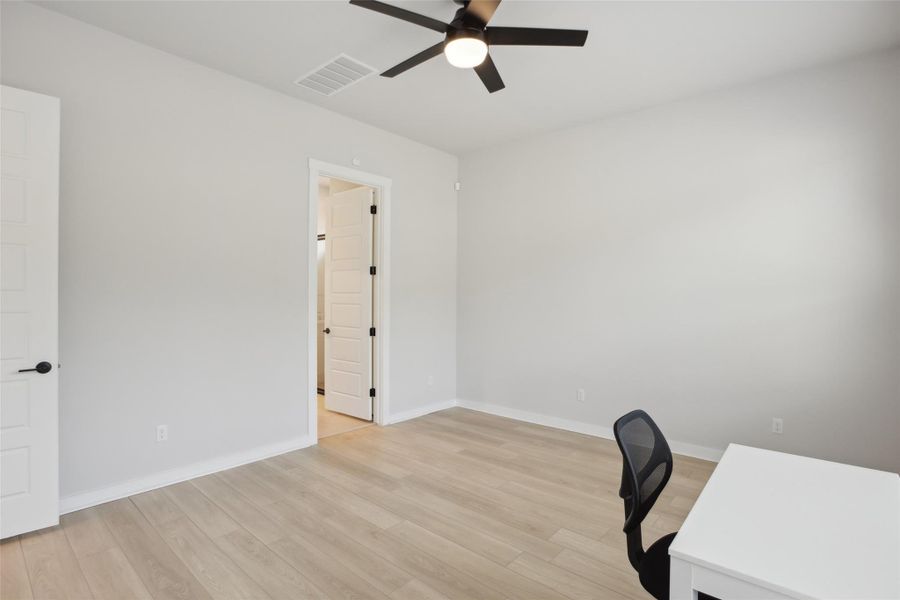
column 345, row 306
column 348, row 268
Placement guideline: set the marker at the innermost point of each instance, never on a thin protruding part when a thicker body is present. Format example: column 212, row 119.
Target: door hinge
column 371, row 392
column 371, row 270
column 373, row 209
column 372, row 331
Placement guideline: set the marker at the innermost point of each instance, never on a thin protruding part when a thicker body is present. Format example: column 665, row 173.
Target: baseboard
column 420, row 412
column 692, row 450
column 82, row 500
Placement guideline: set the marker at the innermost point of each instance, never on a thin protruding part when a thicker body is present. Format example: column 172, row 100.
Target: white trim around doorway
column 382, row 187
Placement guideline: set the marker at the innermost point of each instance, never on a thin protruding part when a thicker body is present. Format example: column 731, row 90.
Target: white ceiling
column 637, row 54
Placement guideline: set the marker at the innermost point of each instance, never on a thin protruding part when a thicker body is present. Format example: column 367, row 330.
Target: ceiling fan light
column 465, row 52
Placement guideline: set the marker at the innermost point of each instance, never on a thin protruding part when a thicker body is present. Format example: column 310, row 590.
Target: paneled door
column 29, row 207
column 348, row 303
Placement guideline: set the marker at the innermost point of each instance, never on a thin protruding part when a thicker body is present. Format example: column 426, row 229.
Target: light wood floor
column 332, row 423
column 456, row 504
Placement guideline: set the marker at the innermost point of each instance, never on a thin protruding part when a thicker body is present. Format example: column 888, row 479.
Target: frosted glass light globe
column 465, row 52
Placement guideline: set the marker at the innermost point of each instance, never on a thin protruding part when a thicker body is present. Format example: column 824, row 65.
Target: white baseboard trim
column 420, row 412
column 685, row 449
column 82, row 500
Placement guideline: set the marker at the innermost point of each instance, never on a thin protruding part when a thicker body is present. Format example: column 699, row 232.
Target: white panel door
column 29, row 207
column 348, row 303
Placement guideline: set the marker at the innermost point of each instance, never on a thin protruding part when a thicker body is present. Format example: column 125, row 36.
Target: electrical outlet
column 579, row 395
column 777, row 425
column 162, row 433
column 431, row 380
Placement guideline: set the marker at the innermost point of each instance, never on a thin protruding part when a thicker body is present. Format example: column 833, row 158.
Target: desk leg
column 681, row 580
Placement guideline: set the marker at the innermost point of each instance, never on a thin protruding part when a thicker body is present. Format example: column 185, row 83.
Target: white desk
column 770, row 525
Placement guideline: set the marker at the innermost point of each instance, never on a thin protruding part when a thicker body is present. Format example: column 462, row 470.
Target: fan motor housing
column 466, row 20
column 466, row 32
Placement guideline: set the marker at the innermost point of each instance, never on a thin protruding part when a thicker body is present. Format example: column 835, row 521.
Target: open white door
column 348, row 303
column 29, row 439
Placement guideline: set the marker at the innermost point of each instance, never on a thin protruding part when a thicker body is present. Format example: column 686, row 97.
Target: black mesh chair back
column 646, row 468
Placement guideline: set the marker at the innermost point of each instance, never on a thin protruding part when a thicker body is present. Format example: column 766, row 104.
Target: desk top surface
column 800, row 526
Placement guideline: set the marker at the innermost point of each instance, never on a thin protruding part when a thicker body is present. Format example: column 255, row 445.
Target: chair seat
column 654, row 574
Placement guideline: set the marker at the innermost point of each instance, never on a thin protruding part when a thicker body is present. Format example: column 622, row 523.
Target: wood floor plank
column 558, row 474
column 53, row 569
column 590, row 516
column 250, row 487
column 620, row 581
column 500, row 578
column 573, row 586
column 157, row 507
column 87, row 533
column 416, row 590
column 355, row 451
column 526, row 521
column 585, row 517
column 111, row 576
column 414, row 456
column 221, row 577
column 305, row 521
column 270, row 571
column 431, row 571
column 455, row 531
column 206, row 514
column 280, row 486
column 514, row 536
column 347, row 500
column 416, row 436
column 346, row 479
column 162, row 572
column 335, row 460
column 456, row 505
column 288, row 460
column 14, row 583
column 594, row 549
column 452, row 433
column 239, row 508
column 326, row 573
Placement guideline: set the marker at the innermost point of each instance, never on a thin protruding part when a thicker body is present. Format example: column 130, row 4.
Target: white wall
column 183, row 252
column 718, row 262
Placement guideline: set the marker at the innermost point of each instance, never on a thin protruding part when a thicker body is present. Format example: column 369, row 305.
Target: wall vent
column 337, row 74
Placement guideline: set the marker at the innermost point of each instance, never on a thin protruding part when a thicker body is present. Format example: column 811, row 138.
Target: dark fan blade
column 490, row 76
column 418, row 59
column 528, row 36
column 483, row 9
column 401, row 13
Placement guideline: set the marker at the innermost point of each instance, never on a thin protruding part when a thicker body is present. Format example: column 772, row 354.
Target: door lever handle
column 42, row 367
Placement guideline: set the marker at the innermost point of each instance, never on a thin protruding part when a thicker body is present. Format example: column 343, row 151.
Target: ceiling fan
column 467, row 38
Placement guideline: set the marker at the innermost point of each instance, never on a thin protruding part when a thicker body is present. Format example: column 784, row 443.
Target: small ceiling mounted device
column 467, row 38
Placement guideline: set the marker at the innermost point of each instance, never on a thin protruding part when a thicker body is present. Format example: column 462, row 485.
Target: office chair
column 646, row 468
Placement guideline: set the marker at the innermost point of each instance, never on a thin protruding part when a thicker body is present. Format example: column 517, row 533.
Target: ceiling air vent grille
column 337, row 74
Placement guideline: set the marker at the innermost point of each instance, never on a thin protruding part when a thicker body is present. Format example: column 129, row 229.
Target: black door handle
column 42, row 367
column 326, row 330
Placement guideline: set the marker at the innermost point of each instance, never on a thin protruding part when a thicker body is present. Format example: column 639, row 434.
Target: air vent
column 337, row 74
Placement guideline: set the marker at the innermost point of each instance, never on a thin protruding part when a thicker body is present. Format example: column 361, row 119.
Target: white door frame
column 382, row 187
